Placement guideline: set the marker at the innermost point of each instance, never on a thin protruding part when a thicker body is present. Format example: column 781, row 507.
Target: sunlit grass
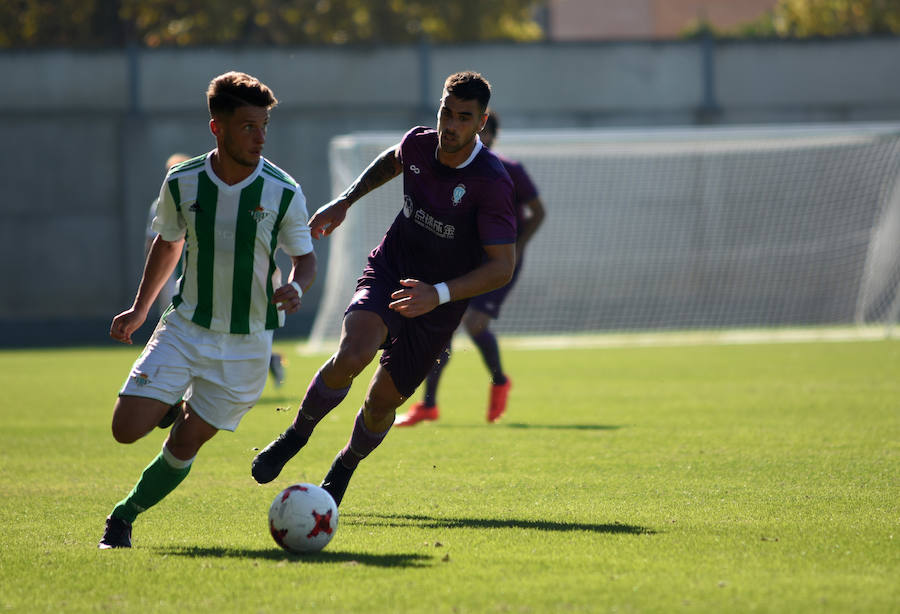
column 708, row 478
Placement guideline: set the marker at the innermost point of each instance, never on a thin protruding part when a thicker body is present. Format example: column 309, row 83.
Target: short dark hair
column 492, row 124
column 468, row 85
column 234, row 89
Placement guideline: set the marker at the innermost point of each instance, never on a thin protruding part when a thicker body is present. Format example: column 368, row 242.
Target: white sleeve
column 169, row 223
column 151, row 215
column 293, row 237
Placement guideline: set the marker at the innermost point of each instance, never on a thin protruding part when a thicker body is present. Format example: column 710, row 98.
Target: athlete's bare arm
column 303, row 273
column 161, row 261
column 417, row 297
column 384, row 168
column 531, row 223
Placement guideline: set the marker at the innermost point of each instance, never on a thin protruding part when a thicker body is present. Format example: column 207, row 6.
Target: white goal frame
column 675, row 229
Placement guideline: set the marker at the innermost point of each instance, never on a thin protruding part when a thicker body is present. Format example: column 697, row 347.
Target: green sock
column 158, row 480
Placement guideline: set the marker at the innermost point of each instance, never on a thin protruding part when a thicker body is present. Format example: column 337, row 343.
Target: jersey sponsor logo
column 414, row 169
column 259, row 214
column 407, row 205
column 434, row 225
column 458, row 193
column 224, row 239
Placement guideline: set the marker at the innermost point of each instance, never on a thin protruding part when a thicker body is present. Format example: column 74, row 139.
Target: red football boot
column 417, row 413
column 497, row 406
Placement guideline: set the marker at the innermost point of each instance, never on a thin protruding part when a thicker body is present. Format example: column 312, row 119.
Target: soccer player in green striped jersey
column 229, row 210
column 169, row 288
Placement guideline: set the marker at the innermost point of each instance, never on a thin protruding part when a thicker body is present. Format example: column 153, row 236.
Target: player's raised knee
column 134, row 417
column 352, row 358
column 124, row 432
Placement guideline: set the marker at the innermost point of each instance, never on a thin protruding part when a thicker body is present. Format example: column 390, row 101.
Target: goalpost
column 673, row 229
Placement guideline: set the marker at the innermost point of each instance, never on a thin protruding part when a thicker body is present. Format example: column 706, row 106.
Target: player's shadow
column 329, row 557
column 549, row 427
column 430, row 522
column 562, row 427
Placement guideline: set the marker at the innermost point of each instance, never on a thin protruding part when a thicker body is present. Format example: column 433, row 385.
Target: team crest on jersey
column 407, row 205
column 458, row 193
column 141, row 379
column 259, row 214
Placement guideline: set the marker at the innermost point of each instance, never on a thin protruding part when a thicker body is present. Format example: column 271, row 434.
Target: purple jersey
column 524, row 190
column 448, row 213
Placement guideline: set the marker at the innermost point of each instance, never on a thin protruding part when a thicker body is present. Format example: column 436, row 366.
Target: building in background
column 585, row 20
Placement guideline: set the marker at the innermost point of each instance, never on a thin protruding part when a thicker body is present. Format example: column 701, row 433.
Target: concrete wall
column 87, row 133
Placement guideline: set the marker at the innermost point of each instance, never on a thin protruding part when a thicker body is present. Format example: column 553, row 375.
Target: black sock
column 433, row 377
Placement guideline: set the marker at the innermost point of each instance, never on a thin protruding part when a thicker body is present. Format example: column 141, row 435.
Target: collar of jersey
column 238, row 186
column 475, row 150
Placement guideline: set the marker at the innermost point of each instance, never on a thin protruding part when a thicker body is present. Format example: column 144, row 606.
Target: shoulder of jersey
column 495, row 163
column 270, row 171
column 188, row 165
column 420, row 132
column 508, row 162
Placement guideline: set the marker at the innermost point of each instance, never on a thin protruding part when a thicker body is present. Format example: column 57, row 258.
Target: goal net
column 675, row 229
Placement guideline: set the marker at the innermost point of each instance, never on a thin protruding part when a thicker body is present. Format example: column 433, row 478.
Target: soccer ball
column 303, row 518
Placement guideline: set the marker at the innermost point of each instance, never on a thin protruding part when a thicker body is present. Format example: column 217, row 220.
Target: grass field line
column 738, row 336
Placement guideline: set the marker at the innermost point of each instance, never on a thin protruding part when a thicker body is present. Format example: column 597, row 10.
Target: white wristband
column 297, row 288
column 443, row 292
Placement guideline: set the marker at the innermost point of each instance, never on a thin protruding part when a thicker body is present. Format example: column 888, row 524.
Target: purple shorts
column 491, row 302
column 412, row 345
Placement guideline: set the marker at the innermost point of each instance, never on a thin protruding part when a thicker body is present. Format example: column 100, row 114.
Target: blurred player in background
column 453, row 239
column 229, row 210
column 170, row 287
column 485, row 307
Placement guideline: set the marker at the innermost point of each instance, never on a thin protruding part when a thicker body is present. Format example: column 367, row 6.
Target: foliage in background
column 814, row 18
column 99, row 23
column 60, row 23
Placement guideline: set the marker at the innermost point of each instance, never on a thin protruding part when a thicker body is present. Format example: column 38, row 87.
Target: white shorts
column 220, row 375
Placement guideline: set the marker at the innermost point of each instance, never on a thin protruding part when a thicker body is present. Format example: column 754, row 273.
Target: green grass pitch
column 743, row 478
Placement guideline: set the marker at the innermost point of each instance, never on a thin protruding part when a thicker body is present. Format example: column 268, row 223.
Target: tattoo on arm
column 384, row 168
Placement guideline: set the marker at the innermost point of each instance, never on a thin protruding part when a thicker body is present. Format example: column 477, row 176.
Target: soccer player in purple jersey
column 454, row 238
column 485, row 307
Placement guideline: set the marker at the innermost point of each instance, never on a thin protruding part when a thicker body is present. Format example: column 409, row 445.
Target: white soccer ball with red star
column 303, row 518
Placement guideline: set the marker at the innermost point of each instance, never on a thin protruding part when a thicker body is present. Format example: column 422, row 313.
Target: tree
column 60, row 23
column 84, row 23
column 811, row 18
column 805, row 18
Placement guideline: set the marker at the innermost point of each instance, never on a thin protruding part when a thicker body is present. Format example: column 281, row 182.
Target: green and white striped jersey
column 231, row 234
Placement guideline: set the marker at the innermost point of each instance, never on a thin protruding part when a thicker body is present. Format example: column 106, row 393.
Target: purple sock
column 490, row 352
column 318, row 401
column 433, row 377
column 362, row 442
